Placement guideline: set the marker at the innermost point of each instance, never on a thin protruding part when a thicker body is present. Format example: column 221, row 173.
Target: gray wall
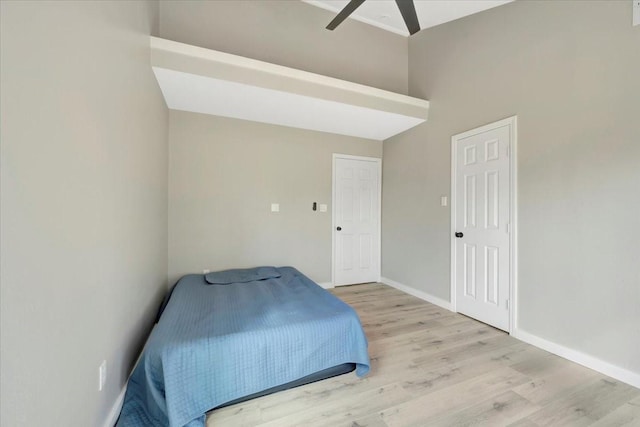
column 223, row 176
column 84, row 196
column 570, row 73
column 224, row 173
column 293, row 34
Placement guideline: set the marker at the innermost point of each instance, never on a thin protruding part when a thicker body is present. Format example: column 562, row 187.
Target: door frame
column 512, row 122
column 378, row 162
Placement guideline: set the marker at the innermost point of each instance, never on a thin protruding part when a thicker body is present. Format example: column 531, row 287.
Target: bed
column 248, row 333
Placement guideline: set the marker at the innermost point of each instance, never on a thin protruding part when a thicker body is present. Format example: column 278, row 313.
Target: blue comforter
column 216, row 343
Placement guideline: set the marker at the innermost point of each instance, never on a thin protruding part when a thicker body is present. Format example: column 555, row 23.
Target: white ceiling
column 385, row 14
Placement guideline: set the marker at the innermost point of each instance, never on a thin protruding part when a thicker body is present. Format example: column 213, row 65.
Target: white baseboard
column 116, row 408
column 417, row 293
column 580, row 358
column 327, row 285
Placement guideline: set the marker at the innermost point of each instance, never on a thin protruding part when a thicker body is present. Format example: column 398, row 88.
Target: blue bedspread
column 217, row 343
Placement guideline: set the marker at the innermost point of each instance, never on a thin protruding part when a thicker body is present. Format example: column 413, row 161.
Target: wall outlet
column 323, row 208
column 102, row 375
column 636, row 12
column 275, row 207
column 206, row 271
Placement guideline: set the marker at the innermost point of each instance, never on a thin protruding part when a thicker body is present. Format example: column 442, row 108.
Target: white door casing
column 356, row 219
column 483, row 223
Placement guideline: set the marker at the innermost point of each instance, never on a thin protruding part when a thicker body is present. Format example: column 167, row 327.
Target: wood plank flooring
column 431, row 367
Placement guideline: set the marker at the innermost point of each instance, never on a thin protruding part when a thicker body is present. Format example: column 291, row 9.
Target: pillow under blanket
column 241, row 275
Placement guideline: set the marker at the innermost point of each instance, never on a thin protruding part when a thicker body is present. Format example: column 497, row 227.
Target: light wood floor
column 431, row 367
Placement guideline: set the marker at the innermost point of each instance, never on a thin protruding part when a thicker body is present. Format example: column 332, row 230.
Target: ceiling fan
column 407, row 9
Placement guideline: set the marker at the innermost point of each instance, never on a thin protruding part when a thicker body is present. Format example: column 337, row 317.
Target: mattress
column 218, row 343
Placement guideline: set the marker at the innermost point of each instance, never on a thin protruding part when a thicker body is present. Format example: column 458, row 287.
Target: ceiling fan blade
column 408, row 11
column 344, row 13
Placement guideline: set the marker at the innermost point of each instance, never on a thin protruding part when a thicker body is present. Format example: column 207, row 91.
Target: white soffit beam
column 198, row 94
column 211, row 82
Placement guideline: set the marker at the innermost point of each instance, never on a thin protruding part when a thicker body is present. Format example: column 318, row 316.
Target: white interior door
column 481, row 224
column 356, row 220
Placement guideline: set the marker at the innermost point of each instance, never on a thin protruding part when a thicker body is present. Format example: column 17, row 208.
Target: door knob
column 459, row 234
column 338, row 228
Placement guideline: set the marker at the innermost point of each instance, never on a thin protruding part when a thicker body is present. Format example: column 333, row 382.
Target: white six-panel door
column 481, row 224
column 356, row 220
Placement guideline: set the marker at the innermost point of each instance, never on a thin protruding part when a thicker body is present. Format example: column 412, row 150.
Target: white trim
column 327, row 285
column 512, row 122
column 620, row 374
column 486, row 128
column 417, row 293
column 452, row 222
column 116, row 408
column 513, row 225
column 379, row 219
column 606, row 368
column 377, row 160
column 333, row 218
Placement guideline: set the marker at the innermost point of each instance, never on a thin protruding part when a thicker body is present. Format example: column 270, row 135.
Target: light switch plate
column 275, row 207
column 323, row 208
column 443, row 201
